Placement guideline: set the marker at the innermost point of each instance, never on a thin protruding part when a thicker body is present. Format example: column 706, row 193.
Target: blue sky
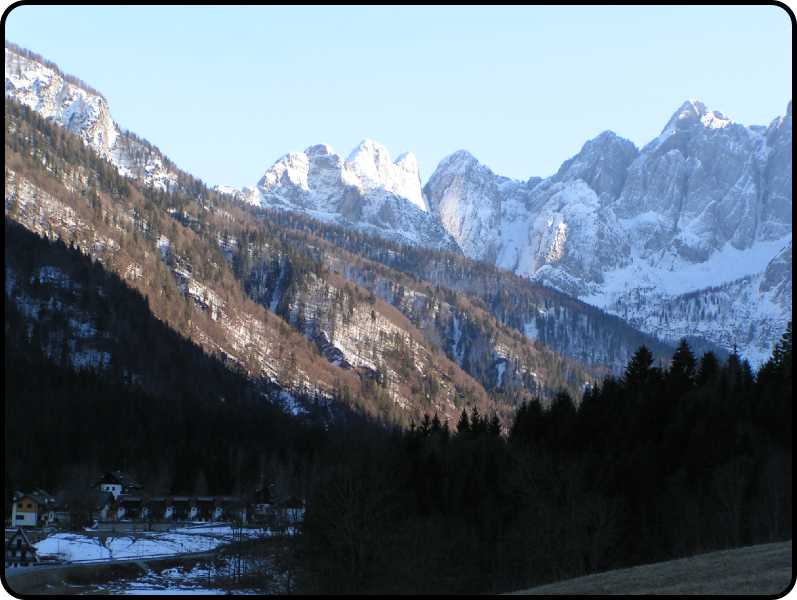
column 225, row 91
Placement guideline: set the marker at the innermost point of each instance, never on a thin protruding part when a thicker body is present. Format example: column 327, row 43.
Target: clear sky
column 225, row 91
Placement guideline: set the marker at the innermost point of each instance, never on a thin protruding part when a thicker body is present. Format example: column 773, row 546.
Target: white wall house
column 32, row 508
column 117, row 483
column 24, row 512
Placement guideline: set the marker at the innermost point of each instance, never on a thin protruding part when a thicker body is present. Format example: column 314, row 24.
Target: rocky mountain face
column 643, row 233
column 545, row 317
column 40, row 85
column 159, row 257
column 500, row 358
column 78, row 314
column 337, row 343
column 367, row 191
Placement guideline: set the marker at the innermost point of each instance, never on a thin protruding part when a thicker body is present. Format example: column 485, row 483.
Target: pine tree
column 518, row 427
column 477, row 424
column 436, row 425
column 708, row 369
column 640, row 369
column 426, row 425
column 681, row 375
column 683, row 361
column 463, row 425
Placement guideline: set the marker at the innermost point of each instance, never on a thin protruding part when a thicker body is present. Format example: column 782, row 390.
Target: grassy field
column 762, row 569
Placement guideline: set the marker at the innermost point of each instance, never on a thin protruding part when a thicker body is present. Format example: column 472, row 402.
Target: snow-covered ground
column 137, row 544
column 672, row 276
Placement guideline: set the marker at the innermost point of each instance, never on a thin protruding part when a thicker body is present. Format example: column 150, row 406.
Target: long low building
column 116, row 497
column 174, row 508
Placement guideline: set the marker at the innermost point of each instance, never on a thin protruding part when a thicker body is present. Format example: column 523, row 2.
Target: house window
column 20, row 517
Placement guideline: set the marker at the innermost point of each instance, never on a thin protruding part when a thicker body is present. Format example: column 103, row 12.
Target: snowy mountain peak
column 408, row 162
column 71, row 103
column 369, row 150
column 674, row 237
column 784, row 121
column 460, row 161
column 693, row 112
column 370, row 167
column 319, row 150
column 290, row 170
column 368, row 190
column 601, row 163
column 606, row 136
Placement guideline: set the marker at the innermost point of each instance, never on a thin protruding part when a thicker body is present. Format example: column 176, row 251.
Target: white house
column 30, row 509
column 117, row 483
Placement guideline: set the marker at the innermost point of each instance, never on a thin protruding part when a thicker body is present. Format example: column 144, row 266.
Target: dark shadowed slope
column 765, row 569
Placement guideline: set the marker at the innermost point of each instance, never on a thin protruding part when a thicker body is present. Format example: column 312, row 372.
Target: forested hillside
column 656, row 464
column 101, row 383
column 562, row 323
column 353, row 347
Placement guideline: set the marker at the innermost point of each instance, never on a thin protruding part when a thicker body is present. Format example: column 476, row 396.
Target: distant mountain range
column 689, row 236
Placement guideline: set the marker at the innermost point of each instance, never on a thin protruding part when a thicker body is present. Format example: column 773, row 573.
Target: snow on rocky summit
column 42, row 87
column 368, row 191
column 691, row 235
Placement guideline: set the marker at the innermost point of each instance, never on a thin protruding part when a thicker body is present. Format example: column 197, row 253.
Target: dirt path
column 762, row 569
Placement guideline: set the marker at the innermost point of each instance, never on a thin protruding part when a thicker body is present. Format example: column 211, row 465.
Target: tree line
column 656, row 464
